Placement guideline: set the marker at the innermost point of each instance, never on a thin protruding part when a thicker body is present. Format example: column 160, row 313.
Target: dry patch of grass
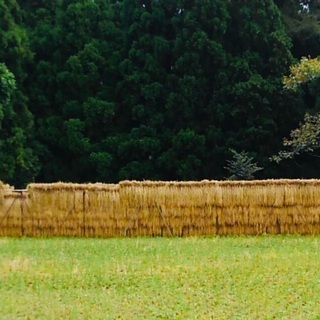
column 16, row 264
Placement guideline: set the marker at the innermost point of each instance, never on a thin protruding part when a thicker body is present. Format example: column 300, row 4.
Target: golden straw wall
column 133, row 208
column 11, row 219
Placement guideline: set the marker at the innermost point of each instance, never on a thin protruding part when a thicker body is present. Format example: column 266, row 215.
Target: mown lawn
column 266, row 277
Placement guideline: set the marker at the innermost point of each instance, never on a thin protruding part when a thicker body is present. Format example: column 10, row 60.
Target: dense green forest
column 107, row 90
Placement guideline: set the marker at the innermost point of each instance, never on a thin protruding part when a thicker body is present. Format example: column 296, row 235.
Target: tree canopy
column 108, row 90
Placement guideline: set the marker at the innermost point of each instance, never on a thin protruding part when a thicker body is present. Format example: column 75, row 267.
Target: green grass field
column 267, row 277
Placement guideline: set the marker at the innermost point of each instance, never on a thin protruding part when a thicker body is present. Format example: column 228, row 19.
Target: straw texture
column 161, row 208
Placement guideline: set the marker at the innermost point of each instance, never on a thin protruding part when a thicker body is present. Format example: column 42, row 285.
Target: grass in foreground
column 269, row 277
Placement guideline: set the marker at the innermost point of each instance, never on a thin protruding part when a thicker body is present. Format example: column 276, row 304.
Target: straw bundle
column 310, row 194
column 2, row 192
column 60, row 209
column 158, row 208
column 10, row 214
column 100, row 208
column 246, row 207
column 144, row 207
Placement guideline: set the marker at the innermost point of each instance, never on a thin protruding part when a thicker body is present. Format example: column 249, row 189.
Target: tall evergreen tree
column 256, row 107
column 72, row 87
column 169, row 77
column 18, row 164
